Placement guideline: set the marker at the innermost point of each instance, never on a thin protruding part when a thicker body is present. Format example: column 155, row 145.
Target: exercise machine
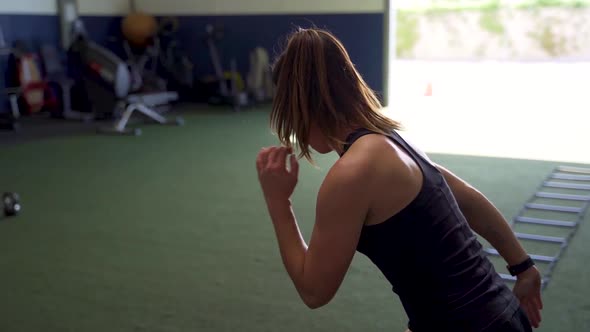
column 259, row 79
column 143, row 66
column 9, row 120
column 174, row 64
column 114, row 90
column 108, row 81
column 226, row 94
column 55, row 72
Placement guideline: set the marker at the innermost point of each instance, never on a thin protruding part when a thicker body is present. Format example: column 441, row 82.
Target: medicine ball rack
column 576, row 182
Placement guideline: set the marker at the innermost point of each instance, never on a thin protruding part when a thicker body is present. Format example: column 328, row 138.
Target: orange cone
column 428, row 92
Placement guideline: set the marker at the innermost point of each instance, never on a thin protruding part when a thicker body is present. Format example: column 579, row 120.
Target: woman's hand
column 528, row 291
column 277, row 182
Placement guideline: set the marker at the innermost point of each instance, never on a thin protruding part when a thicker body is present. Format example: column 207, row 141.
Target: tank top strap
column 419, row 156
column 352, row 137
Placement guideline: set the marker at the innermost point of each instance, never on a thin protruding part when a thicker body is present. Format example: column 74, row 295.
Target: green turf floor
column 168, row 232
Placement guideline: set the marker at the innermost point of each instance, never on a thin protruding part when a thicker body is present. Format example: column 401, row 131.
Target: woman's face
column 317, row 140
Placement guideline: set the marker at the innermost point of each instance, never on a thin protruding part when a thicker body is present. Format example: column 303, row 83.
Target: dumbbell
column 11, row 202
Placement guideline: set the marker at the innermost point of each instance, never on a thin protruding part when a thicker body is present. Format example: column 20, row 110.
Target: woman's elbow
column 316, row 301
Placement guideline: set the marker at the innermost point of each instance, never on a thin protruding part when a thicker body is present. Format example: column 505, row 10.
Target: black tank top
column 433, row 259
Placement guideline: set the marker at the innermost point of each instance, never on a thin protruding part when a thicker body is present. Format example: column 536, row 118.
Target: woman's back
column 432, row 258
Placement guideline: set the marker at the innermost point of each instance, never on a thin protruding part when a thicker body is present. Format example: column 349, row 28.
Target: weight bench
column 145, row 104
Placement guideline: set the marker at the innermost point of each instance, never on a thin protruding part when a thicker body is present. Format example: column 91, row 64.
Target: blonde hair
column 315, row 80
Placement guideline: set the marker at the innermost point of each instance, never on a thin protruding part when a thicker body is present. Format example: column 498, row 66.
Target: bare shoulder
column 372, row 153
column 389, row 176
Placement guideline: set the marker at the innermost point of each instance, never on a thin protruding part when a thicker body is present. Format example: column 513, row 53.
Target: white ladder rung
column 542, row 238
column 559, row 208
column 540, row 258
column 546, row 222
column 572, row 177
column 565, row 185
column 566, row 197
column 570, row 169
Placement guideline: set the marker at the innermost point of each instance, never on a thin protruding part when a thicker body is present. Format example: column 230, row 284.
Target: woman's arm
column 486, row 220
column 317, row 271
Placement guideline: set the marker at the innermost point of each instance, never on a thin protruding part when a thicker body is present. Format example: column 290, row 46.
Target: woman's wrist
column 279, row 209
column 531, row 272
column 521, row 267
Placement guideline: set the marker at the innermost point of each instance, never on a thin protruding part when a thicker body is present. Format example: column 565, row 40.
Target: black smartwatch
column 521, row 267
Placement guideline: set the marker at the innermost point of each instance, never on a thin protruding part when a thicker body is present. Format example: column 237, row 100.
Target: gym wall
column 49, row 7
column 251, row 23
column 241, row 7
column 35, row 21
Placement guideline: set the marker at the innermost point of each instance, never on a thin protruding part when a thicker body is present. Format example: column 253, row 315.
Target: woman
column 384, row 198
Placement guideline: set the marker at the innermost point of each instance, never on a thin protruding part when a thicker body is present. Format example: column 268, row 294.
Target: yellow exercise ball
column 138, row 28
